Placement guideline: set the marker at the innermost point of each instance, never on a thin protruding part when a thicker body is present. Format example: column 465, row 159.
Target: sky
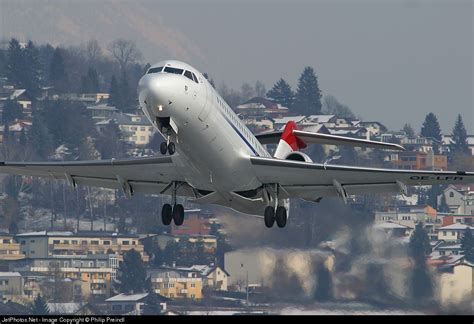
column 390, row 61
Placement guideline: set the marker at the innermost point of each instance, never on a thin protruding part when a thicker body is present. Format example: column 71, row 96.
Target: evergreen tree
column 115, row 98
column 467, row 244
column 247, row 92
column 443, row 205
column 281, row 93
column 432, row 129
column 308, row 95
column 421, row 285
column 40, row 307
column 39, row 137
column 126, row 95
column 132, row 274
column 409, row 130
column 15, row 69
column 459, row 145
column 11, row 111
column 13, row 228
column 94, row 80
column 33, row 69
column 23, row 139
column 57, row 75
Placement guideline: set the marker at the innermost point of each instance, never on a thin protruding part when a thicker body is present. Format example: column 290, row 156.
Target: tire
column 178, row 215
column 163, row 148
column 269, row 216
column 280, row 216
column 171, row 148
column 166, row 214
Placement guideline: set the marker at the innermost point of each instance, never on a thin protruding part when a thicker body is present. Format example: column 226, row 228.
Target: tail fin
column 289, row 142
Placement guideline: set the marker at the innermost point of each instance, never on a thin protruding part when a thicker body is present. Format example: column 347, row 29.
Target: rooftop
column 127, row 297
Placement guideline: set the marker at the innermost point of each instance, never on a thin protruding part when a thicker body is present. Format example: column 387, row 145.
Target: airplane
column 211, row 157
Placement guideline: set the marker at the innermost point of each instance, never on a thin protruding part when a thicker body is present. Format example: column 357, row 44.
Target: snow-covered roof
column 127, row 297
column 64, row 308
column 456, row 226
column 390, row 225
column 17, row 93
column 10, row 274
column 318, row 118
column 284, row 120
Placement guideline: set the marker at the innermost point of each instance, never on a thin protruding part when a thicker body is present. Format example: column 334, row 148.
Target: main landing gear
column 279, row 215
column 175, row 212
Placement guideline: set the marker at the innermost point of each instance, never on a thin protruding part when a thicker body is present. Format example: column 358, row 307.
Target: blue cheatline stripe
column 240, row 134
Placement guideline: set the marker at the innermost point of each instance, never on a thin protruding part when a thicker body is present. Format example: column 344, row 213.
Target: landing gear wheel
column 171, row 148
column 269, row 216
column 166, row 214
column 178, row 215
column 163, row 148
column 280, row 216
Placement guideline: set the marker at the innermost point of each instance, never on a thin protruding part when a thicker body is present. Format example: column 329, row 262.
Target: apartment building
column 45, row 244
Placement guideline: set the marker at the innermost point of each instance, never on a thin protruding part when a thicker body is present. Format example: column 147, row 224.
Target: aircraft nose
column 155, row 90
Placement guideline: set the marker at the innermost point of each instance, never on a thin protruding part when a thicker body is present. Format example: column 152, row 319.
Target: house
column 447, row 141
column 373, row 127
column 87, row 98
column 453, row 232
column 176, row 283
column 460, row 199
column 259, row 107
column 196, row 223
column 101, row 111
column 279, row 123
column 419, row 144
column 415, row 160
column 133, row 304
column 214, row 277
column 63, row 308
column 209, row 242
column 456, row 285
column 136, row 129
column 11, row 285
column 447, row 248
column 449, row 219
column 393, row 229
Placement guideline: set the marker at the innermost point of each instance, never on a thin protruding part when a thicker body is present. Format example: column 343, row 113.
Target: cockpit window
column 155, row 70
column 189, row 75
column 195, row 78
column 170, row 69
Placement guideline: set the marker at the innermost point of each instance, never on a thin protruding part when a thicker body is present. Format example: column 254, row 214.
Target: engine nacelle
column 298, row 156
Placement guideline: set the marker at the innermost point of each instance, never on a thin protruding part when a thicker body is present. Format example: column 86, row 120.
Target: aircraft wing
column 320, row 138
column 311, row 181
column 148, row 174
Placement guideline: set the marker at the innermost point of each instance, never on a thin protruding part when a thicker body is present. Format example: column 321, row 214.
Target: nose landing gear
column 167, row 147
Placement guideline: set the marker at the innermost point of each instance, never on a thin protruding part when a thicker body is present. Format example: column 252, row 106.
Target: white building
column 452, row 232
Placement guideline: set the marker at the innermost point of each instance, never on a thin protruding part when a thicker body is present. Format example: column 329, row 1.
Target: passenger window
column 189, row 75
column 155, row 70
column 170, row 69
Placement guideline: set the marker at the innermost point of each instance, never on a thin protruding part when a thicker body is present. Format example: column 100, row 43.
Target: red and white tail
column 289, row 142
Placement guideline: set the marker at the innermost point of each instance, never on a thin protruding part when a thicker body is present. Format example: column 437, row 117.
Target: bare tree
column 92, row 51
column 125, row 52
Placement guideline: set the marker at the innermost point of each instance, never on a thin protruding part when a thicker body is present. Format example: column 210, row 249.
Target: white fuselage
column 212, row 143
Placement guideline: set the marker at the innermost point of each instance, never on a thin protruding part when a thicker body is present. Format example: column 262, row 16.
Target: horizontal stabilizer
column 328, row 139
